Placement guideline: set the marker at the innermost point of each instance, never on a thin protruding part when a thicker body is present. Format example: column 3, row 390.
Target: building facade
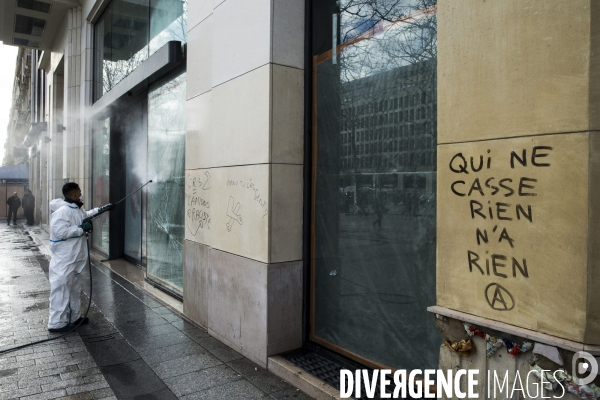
column 294, row 154
column 20, row 114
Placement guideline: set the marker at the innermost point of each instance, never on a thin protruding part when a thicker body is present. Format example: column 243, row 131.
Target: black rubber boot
column 65, row 328
column 84, row 321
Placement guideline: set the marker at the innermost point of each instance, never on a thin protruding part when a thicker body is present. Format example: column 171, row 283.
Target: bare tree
column 175, row 21
column 389, row 51
column 388, row 57
column 115, row 71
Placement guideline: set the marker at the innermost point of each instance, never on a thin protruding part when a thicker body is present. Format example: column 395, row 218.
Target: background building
column 20, row 114
column 294, row 148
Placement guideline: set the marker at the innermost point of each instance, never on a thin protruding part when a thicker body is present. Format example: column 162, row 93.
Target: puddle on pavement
column 8, row 372
column 37, row 307
column 33, row 295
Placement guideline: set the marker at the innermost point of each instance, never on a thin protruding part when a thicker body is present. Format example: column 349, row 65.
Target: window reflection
column 122, row 34
column 168, row 21
column 128, row 32
column 374, row 188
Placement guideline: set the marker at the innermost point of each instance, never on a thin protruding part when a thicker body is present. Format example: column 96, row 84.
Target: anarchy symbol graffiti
column 499, row 298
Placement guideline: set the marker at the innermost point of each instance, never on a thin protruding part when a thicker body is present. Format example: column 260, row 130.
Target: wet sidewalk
column 133, row 348
column 56, row 369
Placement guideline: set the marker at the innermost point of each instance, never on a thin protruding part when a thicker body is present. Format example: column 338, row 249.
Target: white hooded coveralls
column 69, row 256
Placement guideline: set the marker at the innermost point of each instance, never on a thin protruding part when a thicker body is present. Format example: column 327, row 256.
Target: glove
column 86, row 226
column 107, row 207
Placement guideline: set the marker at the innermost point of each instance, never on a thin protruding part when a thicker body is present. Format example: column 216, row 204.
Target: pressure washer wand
column 134, row 192
column 93, row 217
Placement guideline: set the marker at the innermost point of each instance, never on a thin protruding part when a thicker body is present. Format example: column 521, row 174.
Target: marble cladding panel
column 88, row 67
column 57, row 185
column 199, row 60
column 286, row 212
column 199, row 210
column 87, row 134
column 83, row 164
column 69, row 65
column 287, row 136
column 512, row 231
column 198, row 10
column 241, row 38
column 285, row 307
column 232, row 209
column 88, row 35
column 198, row 134
column 526, row 71
column 592, row 333
column 240, row 120
column 72, row 158
column 87, row 166
column 288, row 32
column 237, row 304
column 56, row 58
column 195, row 281
column 241, row 206
column 86, row 189
column 65, row 169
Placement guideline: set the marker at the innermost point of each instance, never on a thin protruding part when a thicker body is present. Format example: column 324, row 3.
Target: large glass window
column 374, row 126
column 121, row 42
column 101, row 181
column 168, row 21
column 166, row 163
column 128, row 32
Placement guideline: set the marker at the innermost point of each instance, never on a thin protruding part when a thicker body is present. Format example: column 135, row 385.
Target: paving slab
column 133, row 347
column 46, row 370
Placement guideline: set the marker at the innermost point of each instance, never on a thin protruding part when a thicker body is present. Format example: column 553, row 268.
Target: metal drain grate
column 327, row 369
column 94, row 338
column 317, row 365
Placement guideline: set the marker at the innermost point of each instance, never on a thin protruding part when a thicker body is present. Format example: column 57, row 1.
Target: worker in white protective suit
column 69, row 257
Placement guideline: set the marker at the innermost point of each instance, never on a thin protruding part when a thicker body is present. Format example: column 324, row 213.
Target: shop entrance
column 138, row 138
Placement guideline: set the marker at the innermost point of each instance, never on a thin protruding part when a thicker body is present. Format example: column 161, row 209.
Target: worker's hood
column 56, row 204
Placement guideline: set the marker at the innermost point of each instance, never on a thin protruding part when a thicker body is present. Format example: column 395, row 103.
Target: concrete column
column 56, row 152
column 51, row 117
column 43, row 201
column 45, row 152
column 85, row 100
column 243, row 249
column 518, row 168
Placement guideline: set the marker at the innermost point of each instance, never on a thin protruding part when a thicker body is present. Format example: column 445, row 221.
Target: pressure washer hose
column 75, row 327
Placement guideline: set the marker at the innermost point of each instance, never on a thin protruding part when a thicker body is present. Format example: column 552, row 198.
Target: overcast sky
column 8, row 58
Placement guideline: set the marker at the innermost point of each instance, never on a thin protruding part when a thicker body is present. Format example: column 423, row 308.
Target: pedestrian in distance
column 69, row 257
column 14, row 202
column 29, row 206
column 379, row 210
